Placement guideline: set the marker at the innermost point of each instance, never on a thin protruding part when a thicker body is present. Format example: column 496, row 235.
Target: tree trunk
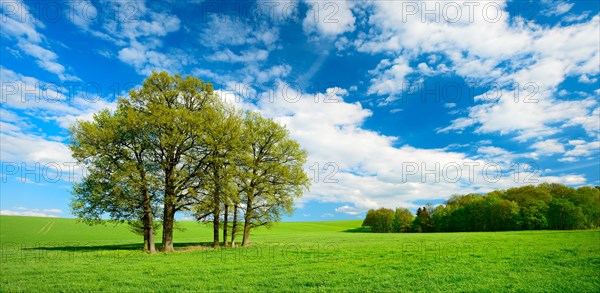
column 168, row 221
column 216, row 210
column 151, row 245
column 169, row 212
column 216, row 229
column 146, row 236
column 247, row 217
column 246, row 238
column 225, row 220
column 234, row 224
column 148, row 222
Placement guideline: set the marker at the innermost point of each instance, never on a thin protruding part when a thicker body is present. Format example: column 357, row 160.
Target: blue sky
column 398, row 104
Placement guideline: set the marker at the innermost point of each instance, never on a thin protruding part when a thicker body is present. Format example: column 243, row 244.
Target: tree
column 533, row 203
column 380, row 220
column 558, row 190
column 120, row 181
column 402, row 220
column 422, row 222
column 588, row 198
column 416, row 224
column 271, row 173
column 234, row 224
column 176, row 111
column 440, row 218
column 563, row 214
column 222, row 147
column 505, row 216
column 384, row 222
column 369, row 220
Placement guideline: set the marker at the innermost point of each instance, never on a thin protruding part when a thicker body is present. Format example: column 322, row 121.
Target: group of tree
column 546, row 206
column 174, row 145
column 385, row 220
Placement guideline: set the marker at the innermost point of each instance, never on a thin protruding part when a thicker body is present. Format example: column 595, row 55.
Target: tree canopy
column 546, row 206
column 174, row 145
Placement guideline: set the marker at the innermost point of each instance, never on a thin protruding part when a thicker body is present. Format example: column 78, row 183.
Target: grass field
column 43, row 254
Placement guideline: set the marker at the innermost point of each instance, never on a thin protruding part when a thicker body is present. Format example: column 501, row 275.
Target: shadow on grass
column 358, row 230
column 111, row 247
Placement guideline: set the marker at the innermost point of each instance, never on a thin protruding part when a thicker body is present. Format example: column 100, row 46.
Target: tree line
column 173, row 146
column 546, row 206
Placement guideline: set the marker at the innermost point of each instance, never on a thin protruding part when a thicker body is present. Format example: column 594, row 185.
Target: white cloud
column 505, row 51
column 449, row 105
column 247, row 43
column 548, row 147
column 556, row 8
column 373, row 172
column 234, row 32
column 590, row 122
column 584, row 78
column 582, row 148
column 576, row 17
column 145, row 59
column 21, row 147
column 568, row 159
column 535, row 119
column 390, row 76
column 329, row 19
column 47, row 213
column 348, row 210
column 48, row 101
column 246, row 56
column 139, row 36
column 20, row 26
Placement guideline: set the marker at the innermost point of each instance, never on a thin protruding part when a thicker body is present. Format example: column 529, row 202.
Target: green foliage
column 564, row 215
column 588, row 198
column 402, row 220
column 381, row 220
column 172, row 146
column 423, row 222
column 137, row 227
column 547, row 206
column 270, row 173
column 121, row 181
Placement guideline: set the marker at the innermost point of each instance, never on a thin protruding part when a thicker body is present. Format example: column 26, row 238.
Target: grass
column 42, row 254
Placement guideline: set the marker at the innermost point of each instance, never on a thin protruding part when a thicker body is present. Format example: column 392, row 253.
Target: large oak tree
column 271, row 173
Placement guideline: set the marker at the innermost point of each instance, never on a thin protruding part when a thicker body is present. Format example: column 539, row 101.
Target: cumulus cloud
column 233, row 33
column 501, row 50
column 21, row 211
column 580, row 149
column 47, row 100
column 370, row 170
column 548, row 147
column 139, row 35
column 348, row 210
column 22, row 28
column 390, row 76
column 329, row 19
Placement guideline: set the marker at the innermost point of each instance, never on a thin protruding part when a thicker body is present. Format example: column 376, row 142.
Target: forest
column 546, row 206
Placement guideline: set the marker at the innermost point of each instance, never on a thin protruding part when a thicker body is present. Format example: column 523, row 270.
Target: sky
column 398, row 103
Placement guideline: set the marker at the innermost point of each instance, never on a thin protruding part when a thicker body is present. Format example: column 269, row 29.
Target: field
column 43, row 254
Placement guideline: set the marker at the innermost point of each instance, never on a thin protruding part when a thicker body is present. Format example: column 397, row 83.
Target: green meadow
column 45, row 254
